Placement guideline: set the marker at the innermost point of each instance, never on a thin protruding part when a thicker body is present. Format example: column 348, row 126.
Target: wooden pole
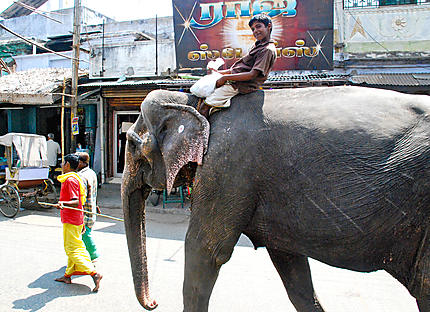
column 75, row 66
column 156, row 45
column 62, row 124
column 84, row 211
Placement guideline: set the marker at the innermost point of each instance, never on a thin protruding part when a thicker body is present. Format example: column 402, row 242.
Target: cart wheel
column 9, row 201
column 51, row 192
column 48, row 194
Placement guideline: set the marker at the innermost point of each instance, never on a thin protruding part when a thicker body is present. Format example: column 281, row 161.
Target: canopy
column 31, row 148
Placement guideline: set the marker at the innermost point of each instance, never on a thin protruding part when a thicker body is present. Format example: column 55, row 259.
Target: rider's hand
column 59, row 205
column 221, row 81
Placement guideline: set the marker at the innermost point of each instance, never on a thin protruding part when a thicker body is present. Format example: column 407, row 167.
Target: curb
column 175, row 211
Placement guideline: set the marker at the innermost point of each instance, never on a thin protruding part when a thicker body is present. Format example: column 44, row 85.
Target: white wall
column 125, row 56
column 133, row 59
column 396, row 28
column 48, row 60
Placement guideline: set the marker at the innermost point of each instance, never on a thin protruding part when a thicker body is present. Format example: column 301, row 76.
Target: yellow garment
column 82, row 188
column 78, row 262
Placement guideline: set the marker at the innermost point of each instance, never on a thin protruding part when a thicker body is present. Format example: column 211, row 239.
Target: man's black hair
column 262, row 18
column 73, row 160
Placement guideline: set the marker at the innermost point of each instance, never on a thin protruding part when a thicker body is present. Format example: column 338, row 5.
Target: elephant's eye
column 181, row 129
column 162, row 133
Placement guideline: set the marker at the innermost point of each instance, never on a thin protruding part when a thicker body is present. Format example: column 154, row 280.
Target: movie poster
column 209, row 29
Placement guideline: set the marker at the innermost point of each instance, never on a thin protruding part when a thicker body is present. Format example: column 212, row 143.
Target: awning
column 16, row 10
column 273, row 79
column 393, row 79
column 310, row 78
column 34, row 87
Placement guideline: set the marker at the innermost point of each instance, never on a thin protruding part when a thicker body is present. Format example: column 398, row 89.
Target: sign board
column 75, row 125
column 208, row 29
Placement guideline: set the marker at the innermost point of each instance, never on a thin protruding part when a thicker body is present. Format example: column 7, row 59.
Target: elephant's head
column 168, row 134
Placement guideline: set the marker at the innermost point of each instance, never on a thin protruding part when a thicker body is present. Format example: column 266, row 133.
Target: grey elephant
column 338, row 174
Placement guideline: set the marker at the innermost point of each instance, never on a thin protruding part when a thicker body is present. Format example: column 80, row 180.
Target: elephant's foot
column 64, row 279
column 296, row 275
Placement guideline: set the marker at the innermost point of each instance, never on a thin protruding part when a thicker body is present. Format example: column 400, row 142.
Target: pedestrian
column 53, row 150
column 248, row 73
column 89, row 177
column 73, row 194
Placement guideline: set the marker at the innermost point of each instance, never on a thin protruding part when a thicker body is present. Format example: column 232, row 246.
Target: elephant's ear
column 185, row 139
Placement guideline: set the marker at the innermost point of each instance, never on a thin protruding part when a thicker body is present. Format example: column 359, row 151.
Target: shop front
column 122, row 121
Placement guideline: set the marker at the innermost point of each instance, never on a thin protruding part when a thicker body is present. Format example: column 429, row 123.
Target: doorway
column 123, row 120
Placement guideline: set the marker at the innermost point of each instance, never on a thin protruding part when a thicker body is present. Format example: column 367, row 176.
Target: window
column 396, row 2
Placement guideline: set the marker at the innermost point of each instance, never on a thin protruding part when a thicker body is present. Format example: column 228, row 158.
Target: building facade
column 384, row 43
column 377, row 43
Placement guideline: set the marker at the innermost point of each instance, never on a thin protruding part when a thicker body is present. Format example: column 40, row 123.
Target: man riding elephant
column 248, row 73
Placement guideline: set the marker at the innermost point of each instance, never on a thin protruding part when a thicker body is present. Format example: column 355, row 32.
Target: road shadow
column 53, row 290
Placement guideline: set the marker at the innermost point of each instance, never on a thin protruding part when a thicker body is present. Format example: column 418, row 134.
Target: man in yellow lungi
column 73, row 194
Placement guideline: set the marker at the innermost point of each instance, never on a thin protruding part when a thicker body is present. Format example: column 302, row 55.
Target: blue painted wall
column 22, row 120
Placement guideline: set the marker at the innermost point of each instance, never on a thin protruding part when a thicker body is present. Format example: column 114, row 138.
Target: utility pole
column 75, row 66
column 156, row 45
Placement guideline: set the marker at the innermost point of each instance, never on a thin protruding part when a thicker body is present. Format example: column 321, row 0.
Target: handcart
column 26, row 173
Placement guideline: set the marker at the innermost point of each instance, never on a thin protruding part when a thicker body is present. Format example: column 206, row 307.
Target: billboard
column 208, row 29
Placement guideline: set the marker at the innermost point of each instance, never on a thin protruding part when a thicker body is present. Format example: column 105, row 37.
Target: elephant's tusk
column 145, row 144
column 133, row 136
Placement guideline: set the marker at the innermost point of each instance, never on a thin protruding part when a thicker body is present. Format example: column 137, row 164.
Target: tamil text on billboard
column 209, row 29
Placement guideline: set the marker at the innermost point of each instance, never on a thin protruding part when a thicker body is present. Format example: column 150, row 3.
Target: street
column 32, row 256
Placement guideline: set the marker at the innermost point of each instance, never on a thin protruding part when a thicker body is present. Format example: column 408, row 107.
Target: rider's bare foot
column 205, row 109
column 97, row 278
column 64, row 279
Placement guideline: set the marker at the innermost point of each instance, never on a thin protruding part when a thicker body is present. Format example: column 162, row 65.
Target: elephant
column 339, row 174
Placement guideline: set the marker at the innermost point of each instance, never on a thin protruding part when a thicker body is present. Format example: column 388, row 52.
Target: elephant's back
column 375, row 111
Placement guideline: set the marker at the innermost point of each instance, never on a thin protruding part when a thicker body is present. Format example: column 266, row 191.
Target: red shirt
column 70, row 190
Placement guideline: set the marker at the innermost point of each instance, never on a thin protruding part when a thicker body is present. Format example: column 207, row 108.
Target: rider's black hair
column 262, row 18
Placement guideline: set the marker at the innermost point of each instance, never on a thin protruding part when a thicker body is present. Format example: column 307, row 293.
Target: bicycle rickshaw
column 26, row 173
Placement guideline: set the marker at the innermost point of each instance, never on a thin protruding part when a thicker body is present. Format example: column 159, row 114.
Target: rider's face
column 260, row 31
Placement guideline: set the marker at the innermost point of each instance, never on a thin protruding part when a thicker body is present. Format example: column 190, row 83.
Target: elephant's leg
column 422, row 282
column 204, row 256
column 296, row 276
column 424, row 304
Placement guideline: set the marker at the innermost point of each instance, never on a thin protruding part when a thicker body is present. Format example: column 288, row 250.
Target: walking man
column 53, row 151
column 73, row 194
column 89, row 178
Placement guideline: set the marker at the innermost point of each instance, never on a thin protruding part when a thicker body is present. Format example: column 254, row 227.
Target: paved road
column 31, row 256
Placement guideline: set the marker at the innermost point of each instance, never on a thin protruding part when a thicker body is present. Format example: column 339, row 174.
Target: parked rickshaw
column 26, row 173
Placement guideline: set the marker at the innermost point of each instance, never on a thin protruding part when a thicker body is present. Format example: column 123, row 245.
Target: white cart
column 26, row 173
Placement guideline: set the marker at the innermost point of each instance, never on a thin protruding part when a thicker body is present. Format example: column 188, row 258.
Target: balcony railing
column 348, row 4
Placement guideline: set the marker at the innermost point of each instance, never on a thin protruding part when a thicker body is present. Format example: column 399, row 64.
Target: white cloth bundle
column 206, row 85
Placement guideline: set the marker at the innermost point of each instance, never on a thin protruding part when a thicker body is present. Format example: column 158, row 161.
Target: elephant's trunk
column 133, row 200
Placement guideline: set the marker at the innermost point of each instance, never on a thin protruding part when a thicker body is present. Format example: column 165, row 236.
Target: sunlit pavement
column 32, row 256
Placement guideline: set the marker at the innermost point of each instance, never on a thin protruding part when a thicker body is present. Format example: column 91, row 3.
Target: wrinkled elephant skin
column 338, row 174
